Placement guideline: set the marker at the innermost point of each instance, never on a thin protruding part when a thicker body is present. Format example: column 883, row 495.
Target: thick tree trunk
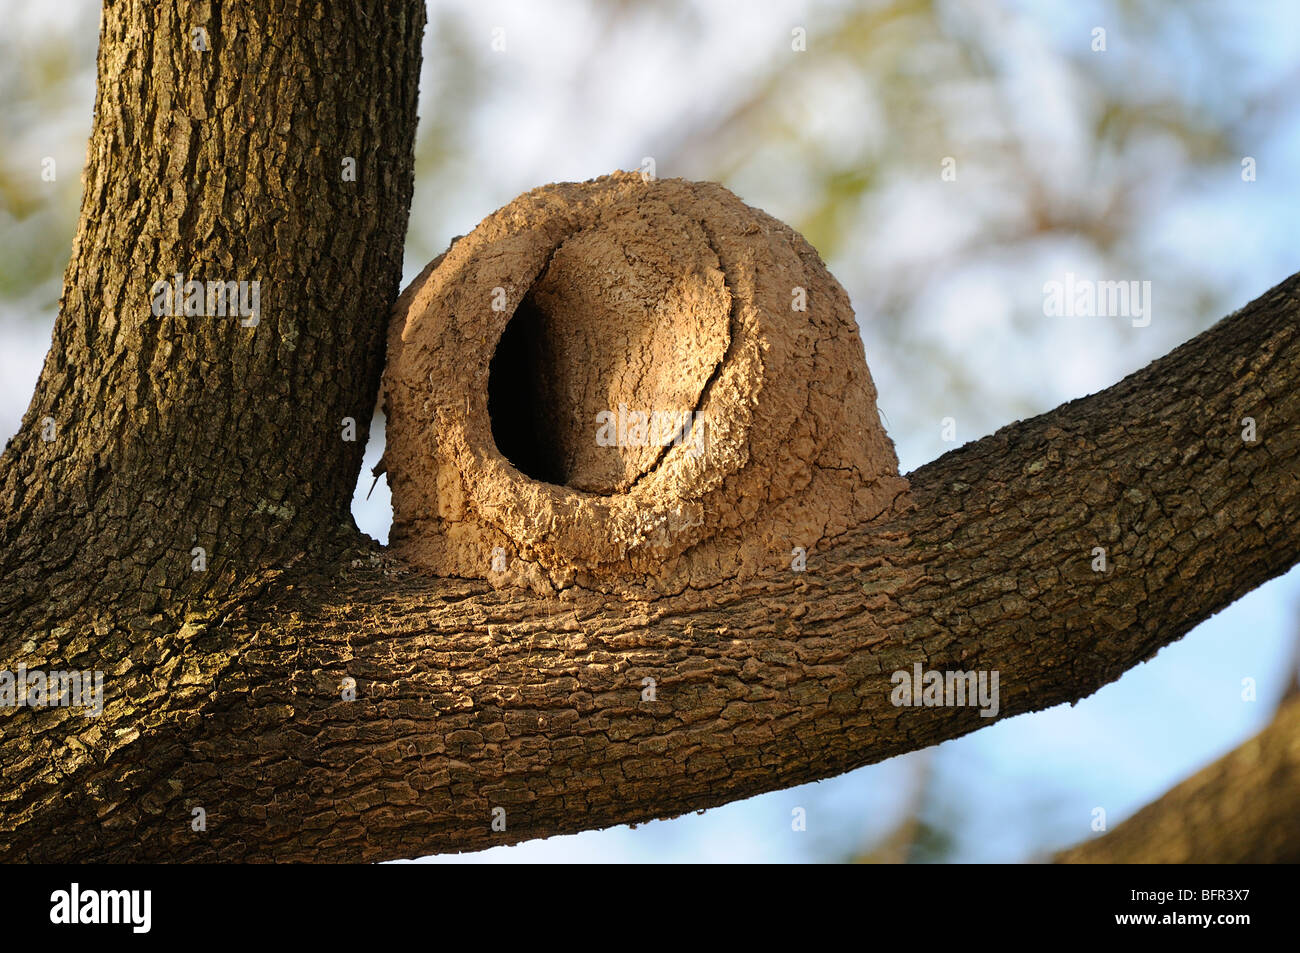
column 223, row 163
column 1239, row 810
column 224, row 687
column 218, row 152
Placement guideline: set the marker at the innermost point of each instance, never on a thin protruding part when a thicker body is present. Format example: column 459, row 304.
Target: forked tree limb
column 471, row 699
column 225, row 688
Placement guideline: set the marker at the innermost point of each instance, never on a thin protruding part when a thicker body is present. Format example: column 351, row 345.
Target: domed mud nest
column 628, row 382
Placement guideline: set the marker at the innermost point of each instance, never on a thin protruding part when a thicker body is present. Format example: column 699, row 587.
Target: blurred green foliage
column 1068, row 148
column 44, row 74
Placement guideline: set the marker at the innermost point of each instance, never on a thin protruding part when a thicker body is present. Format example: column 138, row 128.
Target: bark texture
column 1239, row 810
column 226, row 689
column 218, row 151
column 222, row 162
column 471, row 699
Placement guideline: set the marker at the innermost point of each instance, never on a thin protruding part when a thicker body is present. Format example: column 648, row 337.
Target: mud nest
column 622, row 382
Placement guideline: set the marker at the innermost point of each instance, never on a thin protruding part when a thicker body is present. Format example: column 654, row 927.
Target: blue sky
column 1025, row 783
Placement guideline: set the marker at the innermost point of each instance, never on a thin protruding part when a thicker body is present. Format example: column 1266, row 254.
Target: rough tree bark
column 223, row 687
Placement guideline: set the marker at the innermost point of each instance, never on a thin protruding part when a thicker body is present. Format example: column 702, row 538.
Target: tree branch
column 1239, row 810
column 471, row 699
column 224, row 689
